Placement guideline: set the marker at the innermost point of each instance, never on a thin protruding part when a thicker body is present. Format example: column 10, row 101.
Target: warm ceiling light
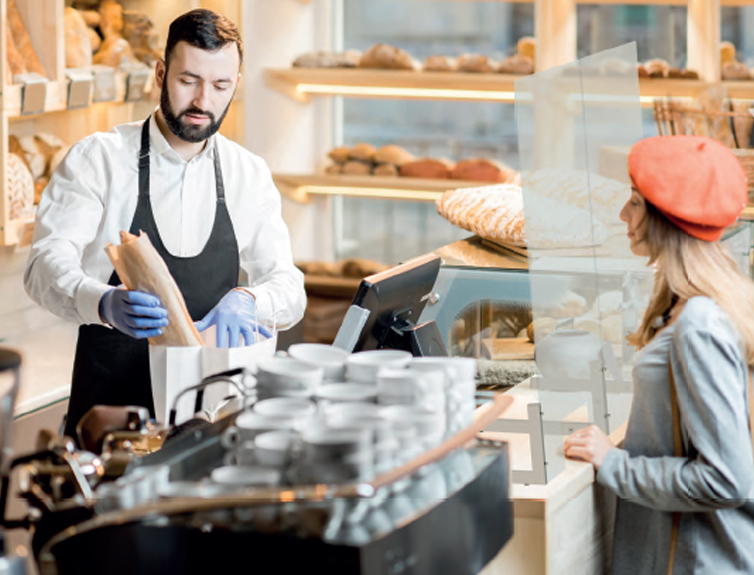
column 398, row 92
column 388, row 193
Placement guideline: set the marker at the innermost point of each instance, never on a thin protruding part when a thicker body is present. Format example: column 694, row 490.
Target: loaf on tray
column 496, row 213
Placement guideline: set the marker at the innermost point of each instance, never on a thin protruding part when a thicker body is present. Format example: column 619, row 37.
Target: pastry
column 687, row 74
column 385, row 170
column 22, row 40
column 388, row 57
column 427, row 168
column 481, row 170
column 340, row 155
column 517, row 64
column 357, row 168
column 392, row 154
column 440, row 64
column 657, row 68
column 476, row 63
column 362, row 151
column 78, row 47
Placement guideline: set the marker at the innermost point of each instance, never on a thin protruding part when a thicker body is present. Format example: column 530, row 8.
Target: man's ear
column 160, row 70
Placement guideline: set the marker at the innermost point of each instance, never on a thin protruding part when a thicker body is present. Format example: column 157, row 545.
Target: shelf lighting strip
column 442, row 93
column 387, row 193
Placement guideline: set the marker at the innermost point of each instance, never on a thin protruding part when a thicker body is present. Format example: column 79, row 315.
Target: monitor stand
column 421, row 340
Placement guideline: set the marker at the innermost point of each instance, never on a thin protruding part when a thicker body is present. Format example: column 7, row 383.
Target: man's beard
column 188, row 132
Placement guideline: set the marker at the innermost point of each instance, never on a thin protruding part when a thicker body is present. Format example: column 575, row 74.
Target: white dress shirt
column 92, row 196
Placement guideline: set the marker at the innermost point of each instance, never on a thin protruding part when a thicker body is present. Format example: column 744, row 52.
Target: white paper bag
column 174, row 369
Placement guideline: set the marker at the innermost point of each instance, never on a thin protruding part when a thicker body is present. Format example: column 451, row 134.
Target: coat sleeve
column 711, row 379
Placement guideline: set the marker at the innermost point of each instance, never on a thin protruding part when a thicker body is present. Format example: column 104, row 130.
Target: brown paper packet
column 141, row 268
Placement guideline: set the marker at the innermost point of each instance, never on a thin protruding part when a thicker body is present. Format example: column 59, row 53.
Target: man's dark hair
column 203, row 29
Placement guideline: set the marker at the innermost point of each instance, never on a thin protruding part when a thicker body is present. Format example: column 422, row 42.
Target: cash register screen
column 395, row 299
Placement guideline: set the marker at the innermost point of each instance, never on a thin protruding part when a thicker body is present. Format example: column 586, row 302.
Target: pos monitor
column 385, row 309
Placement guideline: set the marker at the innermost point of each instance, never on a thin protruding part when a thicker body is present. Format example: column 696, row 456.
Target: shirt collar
column 159, row 145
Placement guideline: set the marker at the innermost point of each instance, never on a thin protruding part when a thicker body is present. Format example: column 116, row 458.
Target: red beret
column 694, row 181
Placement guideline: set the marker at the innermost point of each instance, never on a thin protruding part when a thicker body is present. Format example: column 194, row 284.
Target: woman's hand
column 589, row 444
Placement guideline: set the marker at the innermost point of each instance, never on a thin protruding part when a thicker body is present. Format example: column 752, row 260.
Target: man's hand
column 234, row 316
column 589, row 444
column 135, row 313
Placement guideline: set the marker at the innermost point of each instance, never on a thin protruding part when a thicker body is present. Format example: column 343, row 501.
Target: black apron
column 112, row 368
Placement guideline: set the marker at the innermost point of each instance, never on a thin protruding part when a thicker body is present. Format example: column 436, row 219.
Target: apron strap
column 678, row 452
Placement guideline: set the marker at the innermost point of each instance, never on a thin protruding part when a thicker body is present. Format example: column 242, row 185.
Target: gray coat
column 713, row 485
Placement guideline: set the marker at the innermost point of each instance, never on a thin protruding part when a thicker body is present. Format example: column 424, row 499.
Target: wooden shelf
column 637, row 2
column 303, row 83
column 300, row 187
column 676, row 88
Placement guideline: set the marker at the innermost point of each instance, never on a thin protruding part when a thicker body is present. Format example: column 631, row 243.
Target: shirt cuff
column 88, row 297
column 263, row 305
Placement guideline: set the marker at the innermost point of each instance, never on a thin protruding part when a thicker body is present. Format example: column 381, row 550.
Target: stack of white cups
column 459, row 386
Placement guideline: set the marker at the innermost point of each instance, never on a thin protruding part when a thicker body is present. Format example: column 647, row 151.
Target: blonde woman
column 686, row 508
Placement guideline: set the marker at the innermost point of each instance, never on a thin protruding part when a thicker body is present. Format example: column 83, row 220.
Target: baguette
column 141, row 268
column 78, row 46
column 22, row 40
column 15, row 61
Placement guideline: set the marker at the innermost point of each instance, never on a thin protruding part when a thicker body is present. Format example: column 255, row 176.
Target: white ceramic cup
column 246, row 475
column 430, row 425
column 289, row 375
column 338, row 413
column 425, row 389
column 331, row 359
column 342, row 392
column 362, row 367
column 250, row 424
column 296, row 408
column 273, row 448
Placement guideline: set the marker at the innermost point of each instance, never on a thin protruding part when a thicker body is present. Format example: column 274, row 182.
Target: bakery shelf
column 300, row 187
column 740, row 89
column 55, row 98
column 303, row 83
column 676, row 87
column 637, row 2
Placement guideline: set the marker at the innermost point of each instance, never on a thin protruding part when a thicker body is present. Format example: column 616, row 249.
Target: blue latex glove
column 135, row 313
column 233, row 316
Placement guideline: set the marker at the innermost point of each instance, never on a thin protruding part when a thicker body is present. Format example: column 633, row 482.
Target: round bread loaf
column 392, row 154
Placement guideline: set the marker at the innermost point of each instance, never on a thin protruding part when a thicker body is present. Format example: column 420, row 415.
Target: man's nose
column 201, row 97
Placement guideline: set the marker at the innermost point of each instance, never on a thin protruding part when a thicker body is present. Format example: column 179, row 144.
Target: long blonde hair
column 688, row 267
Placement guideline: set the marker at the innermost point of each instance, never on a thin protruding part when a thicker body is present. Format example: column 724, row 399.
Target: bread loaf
column 340, row 155
column 139, row 31
column 388, row 57
column 657, row 68
column 427, row 168
column 362, row 151
column 91, row 17
column 735, row 71
column 22, row 40
column 334, row 169
column 727, row 52
column 516, row 64
column 476, row 63
column 357, row 168
column 392, row 154
column 141, row 268
column 440, row 64
column 114, row 52
column 481, row 170
column 527, row 46
column 19, row 188
column 687, row 74
column 324, row 59
column 78, row 47
column 111, row 18
column 94, row 39
column 385, row 170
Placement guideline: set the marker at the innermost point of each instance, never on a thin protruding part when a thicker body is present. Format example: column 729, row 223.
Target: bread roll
column 357, row 168
column 427, row 168
column 476, row 63
column 19, row 188
column 440, row 64
column 687, row 74
column 392, row 154
column 325, row 59
column 115, row 51
column 540, row 328
column 481, row 170
column 363, row 151
column 340, row 155
column 657, row 68
column 643, row 73
column 674, row 72
column 517, row 64
column 23, row 41
column 389, row 170
column 387, row 57
column 527, row 46
column 139, row 31
column 334, row 169
column 78, row 47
